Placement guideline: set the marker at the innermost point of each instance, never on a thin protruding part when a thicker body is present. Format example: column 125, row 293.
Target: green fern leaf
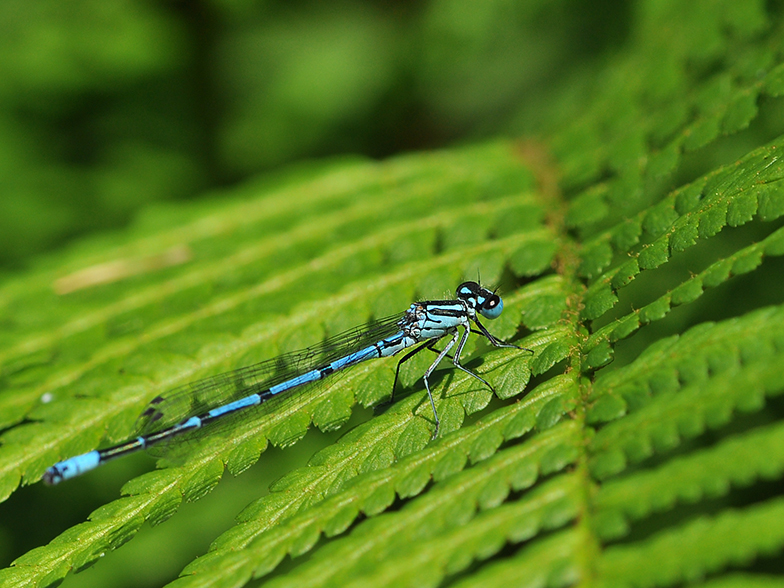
column 640, row 260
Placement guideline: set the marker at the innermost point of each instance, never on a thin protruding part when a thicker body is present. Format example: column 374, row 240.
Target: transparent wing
column 196, row 398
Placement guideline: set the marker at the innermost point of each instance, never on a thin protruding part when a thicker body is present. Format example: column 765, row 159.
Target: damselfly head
column 486, row 302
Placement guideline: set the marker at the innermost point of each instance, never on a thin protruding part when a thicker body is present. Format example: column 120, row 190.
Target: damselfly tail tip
column 52, row 476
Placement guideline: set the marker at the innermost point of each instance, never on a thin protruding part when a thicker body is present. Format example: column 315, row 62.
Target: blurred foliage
column 106, row 107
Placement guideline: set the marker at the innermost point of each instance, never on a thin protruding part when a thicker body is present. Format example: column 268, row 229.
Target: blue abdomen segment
column 251, row 400
column 305, row 378
column 351, row 359
column 70, row 468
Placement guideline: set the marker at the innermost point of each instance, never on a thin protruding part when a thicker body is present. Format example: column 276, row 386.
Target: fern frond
column 639, row 255
column 266, row 533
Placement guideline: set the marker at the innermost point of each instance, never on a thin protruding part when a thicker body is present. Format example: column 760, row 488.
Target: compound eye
column 491, row 308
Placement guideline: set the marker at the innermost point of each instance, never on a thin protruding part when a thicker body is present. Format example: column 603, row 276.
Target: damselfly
column 214, row 398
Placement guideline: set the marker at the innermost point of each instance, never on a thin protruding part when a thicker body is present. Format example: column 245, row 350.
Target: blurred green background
column 108, row 106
